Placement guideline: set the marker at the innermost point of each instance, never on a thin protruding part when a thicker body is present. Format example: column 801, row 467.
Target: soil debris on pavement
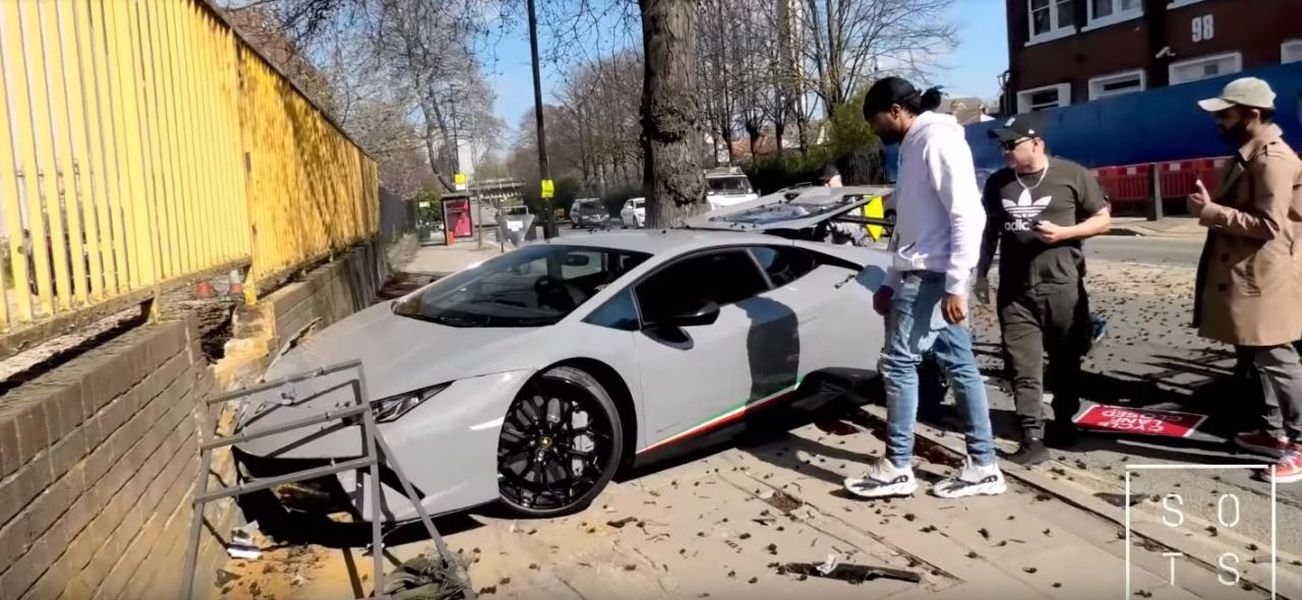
column 619, row 524
column 782, row 501
column 850, row 573
column 1118, row 499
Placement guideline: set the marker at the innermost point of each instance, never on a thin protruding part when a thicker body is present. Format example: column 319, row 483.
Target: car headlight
column 392, row 408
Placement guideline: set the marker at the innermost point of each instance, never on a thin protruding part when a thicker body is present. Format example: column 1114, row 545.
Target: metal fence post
column 1155, row 211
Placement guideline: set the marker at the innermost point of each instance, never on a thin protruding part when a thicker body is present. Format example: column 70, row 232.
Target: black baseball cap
column 1018, row 127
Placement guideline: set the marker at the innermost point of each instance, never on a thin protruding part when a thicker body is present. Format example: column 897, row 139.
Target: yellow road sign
column 548, row 188
column 459, row 179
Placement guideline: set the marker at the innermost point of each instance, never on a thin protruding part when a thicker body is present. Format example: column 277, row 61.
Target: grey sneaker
column 882, row 480
column 972, row 480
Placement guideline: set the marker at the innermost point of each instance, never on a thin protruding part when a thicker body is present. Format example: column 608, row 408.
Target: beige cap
column 1247, row 91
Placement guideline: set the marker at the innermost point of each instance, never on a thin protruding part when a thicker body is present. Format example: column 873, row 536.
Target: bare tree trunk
column 802, row 133
column 671, row 132
column 753, row 132
column 431, row 130
column 779, row 127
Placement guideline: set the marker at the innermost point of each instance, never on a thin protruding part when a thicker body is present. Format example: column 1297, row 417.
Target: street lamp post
column 549, row 225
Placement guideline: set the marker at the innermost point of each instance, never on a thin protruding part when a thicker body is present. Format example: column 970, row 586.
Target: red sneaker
column 1262, row 443
column 1288, row 469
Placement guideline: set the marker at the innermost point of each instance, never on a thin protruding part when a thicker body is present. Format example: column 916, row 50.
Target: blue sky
column 972, row 70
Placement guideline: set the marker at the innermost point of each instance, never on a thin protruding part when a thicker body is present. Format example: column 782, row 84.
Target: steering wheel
column 556, row 293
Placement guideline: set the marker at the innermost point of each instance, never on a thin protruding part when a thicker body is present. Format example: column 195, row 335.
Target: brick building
column 1063, row 52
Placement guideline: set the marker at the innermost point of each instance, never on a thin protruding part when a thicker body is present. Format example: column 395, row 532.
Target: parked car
column 589, row 213
column 634, row 213
column 532, row 378
column 728, row 186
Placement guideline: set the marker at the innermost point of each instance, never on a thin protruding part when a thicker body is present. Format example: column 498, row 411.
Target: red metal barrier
column 1125, row 184
column 1179, row 178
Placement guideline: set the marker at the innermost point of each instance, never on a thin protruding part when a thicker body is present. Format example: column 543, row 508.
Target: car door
column 833, row 314
column 697, row 378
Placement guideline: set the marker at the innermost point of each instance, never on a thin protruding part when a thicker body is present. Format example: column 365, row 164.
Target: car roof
column 663, row 241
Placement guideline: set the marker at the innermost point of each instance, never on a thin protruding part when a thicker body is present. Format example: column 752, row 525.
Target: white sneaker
column 972, row 480
column 883, row 479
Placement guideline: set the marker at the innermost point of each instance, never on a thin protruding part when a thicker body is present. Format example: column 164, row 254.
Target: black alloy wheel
column 560, row 444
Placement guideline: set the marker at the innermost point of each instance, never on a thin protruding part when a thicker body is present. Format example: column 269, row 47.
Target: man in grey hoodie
column 935, row 247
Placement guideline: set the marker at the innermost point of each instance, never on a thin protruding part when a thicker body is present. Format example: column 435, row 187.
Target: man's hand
column 1050, row 233
column 955, row 308
column 1199, row 199
column 981, row 289
column 882, row 300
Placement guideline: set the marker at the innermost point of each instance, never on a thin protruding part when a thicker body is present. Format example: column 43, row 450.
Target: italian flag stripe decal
column 724, row 418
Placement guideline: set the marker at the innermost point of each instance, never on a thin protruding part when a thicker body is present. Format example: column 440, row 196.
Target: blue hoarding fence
column 1162, row 125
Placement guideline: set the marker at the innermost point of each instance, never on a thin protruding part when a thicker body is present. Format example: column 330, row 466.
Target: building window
column 1205, row 67
column 1044, row 98
column 1109, row 12
column 1291, row 51
column 1051, row 19
column 1116, row 84
column 1179, row 3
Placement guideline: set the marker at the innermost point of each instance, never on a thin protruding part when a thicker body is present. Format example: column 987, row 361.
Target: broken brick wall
column 328, row 293
column 97, row 467
column 98, row 457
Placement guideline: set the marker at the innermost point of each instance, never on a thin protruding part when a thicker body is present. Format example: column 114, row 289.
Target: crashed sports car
column 532, row 378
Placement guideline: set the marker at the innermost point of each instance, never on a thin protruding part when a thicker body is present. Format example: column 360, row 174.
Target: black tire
column 529, row 488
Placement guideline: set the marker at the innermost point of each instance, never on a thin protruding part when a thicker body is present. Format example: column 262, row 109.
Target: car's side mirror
column 704, row 314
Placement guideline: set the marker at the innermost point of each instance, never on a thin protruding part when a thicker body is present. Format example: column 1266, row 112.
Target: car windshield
column 639, row 203
column 728, row 185
column 590, row 206
column 535, row 286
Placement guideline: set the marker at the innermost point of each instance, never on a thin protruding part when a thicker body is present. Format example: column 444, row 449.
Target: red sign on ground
column 1166, row 423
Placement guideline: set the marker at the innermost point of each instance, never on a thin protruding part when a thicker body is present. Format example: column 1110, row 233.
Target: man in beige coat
column 1249, row 287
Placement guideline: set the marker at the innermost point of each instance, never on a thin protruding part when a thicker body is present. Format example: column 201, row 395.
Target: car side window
column 784, row 264
column 620, row 312
column 722, row 277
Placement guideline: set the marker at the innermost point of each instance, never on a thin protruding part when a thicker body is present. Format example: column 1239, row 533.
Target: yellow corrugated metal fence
column 142, row 141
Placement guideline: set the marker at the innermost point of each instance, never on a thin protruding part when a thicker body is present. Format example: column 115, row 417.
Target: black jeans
column 1053, row 319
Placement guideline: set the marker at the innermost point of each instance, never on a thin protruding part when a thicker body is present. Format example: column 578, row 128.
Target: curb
column 1143, row 527
column 1135, row 231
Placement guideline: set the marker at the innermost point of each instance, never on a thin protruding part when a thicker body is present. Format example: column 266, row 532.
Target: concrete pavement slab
column 1172, row 227
column 722, row 526
column 442, row 260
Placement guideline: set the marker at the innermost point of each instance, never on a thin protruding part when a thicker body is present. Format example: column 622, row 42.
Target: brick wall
column 97, row 459
column 1255, row 29
column 331, row 293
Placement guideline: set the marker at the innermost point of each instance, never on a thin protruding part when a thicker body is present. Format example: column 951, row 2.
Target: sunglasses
column 1010, row 146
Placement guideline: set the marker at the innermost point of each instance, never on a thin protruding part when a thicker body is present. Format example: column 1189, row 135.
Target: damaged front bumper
column 447, row 448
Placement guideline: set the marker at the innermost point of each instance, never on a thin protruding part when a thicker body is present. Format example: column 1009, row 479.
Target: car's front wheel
column 561, row 443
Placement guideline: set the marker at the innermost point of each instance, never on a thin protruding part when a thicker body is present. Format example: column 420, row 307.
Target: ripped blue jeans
column 914, row 327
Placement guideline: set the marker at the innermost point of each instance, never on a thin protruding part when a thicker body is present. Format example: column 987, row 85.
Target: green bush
column 792, row 167
column 851, row 147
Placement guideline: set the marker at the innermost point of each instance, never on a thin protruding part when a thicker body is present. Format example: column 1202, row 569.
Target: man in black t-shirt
column 1040, row 208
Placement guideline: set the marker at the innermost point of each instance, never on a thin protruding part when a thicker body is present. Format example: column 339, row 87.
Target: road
column 1145, row 250
column 1143, row 286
